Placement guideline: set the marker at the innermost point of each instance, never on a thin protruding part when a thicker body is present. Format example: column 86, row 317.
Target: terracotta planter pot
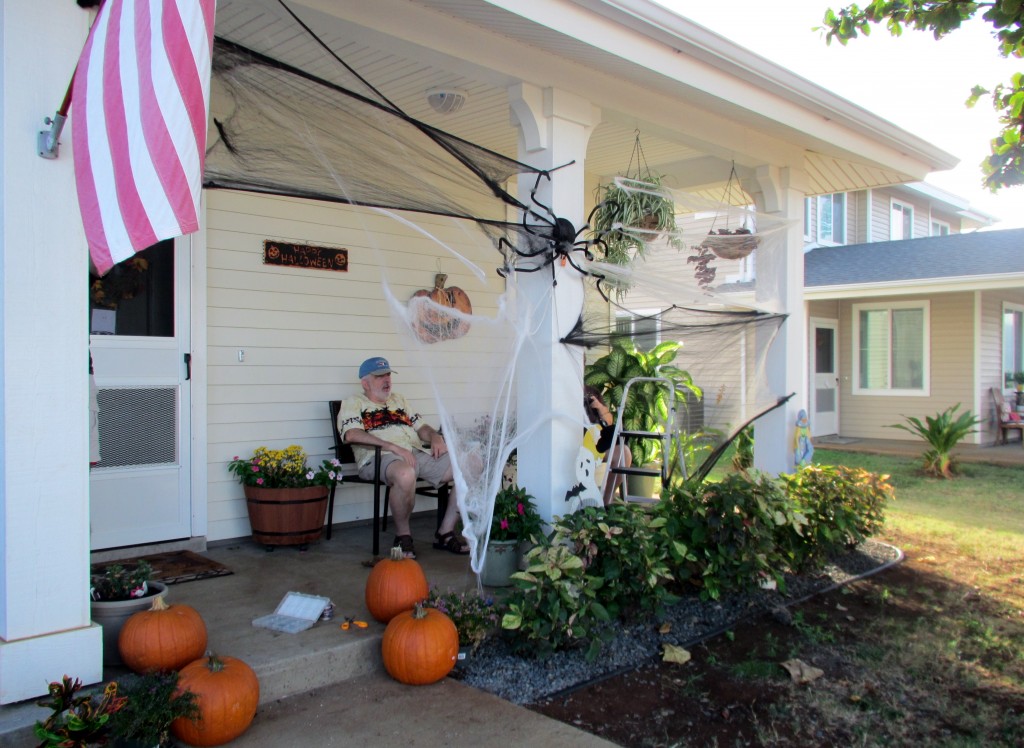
column 286, row 516
column 111, row 615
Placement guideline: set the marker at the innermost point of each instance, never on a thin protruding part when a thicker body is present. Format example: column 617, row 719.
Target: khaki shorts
column 433, row 470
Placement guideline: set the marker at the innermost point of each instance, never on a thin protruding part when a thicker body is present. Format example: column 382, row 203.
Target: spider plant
column 942, row 433
column 627, row 210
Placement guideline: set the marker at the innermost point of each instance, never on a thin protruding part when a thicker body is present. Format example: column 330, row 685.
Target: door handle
column 188, row 366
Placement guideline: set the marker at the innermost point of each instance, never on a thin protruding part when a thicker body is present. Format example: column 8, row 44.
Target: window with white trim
column 1013, row 341
column 807, row 219
column 832, row 218
column 891, row 348
column 940, row 228
column 644, row 330
column 901, row 225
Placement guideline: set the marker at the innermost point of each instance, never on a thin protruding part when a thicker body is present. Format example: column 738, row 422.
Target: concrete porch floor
column 328, row 686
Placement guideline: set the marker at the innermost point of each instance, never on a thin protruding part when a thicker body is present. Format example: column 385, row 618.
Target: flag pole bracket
column 48, row 141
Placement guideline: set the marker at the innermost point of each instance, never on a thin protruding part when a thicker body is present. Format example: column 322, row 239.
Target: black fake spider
column 551, row 237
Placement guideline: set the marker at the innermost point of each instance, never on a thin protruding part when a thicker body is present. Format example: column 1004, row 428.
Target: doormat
column 174, row 567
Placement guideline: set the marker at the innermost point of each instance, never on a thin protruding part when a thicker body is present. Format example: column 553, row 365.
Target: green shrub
column 622, row 545
column 723, row 535
column 553, row 604
column 843, row 507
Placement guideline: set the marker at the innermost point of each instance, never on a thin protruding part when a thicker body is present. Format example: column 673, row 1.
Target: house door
column 824, row 376
column 139, row 343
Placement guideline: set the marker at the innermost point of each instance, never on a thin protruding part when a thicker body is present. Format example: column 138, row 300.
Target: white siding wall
column 952, row 371
column 305, row 332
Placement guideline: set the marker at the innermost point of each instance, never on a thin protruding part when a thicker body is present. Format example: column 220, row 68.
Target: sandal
column 405, row 543
column 451, row 542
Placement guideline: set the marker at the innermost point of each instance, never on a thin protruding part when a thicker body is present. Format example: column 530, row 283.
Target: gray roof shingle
column 977, row 254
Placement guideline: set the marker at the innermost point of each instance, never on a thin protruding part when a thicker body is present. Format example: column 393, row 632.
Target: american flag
column 140, row 102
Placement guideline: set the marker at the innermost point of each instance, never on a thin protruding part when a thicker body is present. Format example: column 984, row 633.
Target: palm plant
column 942, row 433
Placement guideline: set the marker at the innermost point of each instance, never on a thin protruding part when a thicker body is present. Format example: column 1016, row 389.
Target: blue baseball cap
column 375, row 366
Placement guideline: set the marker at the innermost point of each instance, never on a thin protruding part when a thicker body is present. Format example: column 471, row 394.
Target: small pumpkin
column 431, row 322
column 165, row 637
column 420, row 646
column 227, row 694
column 395, row 584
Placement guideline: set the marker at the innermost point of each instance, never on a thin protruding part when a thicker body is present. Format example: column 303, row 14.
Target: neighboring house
column 241, row 353
column 911, row 327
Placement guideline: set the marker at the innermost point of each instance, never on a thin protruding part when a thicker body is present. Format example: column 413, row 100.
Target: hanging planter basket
column 728, row 243
column 732, row 246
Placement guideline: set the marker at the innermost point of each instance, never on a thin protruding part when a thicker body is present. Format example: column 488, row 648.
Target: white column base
column 27, row 666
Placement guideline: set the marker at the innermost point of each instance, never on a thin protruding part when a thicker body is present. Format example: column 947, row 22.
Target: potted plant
column 77, row 719
column 515, row 520
column 118, row 592
column 286, row 499
column 152, row 702
column 630, row 203
column 648, row 404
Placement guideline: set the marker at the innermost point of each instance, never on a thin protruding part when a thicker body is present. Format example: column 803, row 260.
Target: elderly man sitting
column 381, row 418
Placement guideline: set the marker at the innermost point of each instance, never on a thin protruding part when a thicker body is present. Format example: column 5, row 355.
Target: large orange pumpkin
column 431, row 322
column 395, row 584
column 227, row 693
column 165, row 637
column 420, row 646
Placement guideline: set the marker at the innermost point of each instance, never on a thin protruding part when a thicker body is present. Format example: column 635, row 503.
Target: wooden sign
column 305, row 256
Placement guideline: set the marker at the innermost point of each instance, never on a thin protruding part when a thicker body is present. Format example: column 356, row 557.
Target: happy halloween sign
column 305, row 256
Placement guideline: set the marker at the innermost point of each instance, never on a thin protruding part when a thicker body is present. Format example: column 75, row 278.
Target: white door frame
column 823, row 423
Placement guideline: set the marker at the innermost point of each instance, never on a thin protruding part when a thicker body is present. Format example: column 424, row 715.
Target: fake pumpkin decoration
column 395, row 584
column 431, row 322
column 227, row 693
column 165, row 637
column 420, row 646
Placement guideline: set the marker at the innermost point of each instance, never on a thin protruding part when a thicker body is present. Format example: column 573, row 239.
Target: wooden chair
column 1005, row 425
column 343, row 453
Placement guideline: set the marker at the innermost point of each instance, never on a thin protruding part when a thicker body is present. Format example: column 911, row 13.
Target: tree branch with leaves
column 1004, row 167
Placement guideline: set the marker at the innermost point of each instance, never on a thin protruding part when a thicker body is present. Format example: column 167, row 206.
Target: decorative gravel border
column 496, row 669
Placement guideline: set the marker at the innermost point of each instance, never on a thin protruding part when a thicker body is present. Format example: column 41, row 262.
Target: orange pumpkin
column 165, row 637
column 420, row 646
column 395, row 584
column 227, row 693
column 432, row 323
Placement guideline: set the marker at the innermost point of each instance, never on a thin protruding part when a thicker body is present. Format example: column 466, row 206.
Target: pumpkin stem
column 419, row 611
column 159, row 604
column 439, row 280
column 397, row 554
column 214, row 663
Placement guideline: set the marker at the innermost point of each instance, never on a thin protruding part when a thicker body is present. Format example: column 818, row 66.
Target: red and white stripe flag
column 138, row 126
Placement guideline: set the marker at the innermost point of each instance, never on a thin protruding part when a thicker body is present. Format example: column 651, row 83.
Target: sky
column 914, row 81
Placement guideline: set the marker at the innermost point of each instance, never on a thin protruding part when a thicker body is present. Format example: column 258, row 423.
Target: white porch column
column 554, row 127
column 45, row 629
column 780, row 191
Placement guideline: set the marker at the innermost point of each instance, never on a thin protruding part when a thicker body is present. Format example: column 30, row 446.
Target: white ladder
column 668, row 437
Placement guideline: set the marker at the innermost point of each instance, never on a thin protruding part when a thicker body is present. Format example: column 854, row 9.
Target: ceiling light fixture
column 446, row 100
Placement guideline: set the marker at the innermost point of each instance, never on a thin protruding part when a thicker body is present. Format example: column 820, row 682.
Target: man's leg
column 401, row 477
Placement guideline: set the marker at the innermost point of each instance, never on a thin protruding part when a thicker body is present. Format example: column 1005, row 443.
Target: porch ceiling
column 405, row 47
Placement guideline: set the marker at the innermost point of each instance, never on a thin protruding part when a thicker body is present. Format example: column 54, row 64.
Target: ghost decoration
column 585, row 493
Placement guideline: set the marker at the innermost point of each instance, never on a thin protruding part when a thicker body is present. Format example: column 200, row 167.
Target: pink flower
column 520, row 509
column 255, row 468
column 259, row 481
column 504, row 524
